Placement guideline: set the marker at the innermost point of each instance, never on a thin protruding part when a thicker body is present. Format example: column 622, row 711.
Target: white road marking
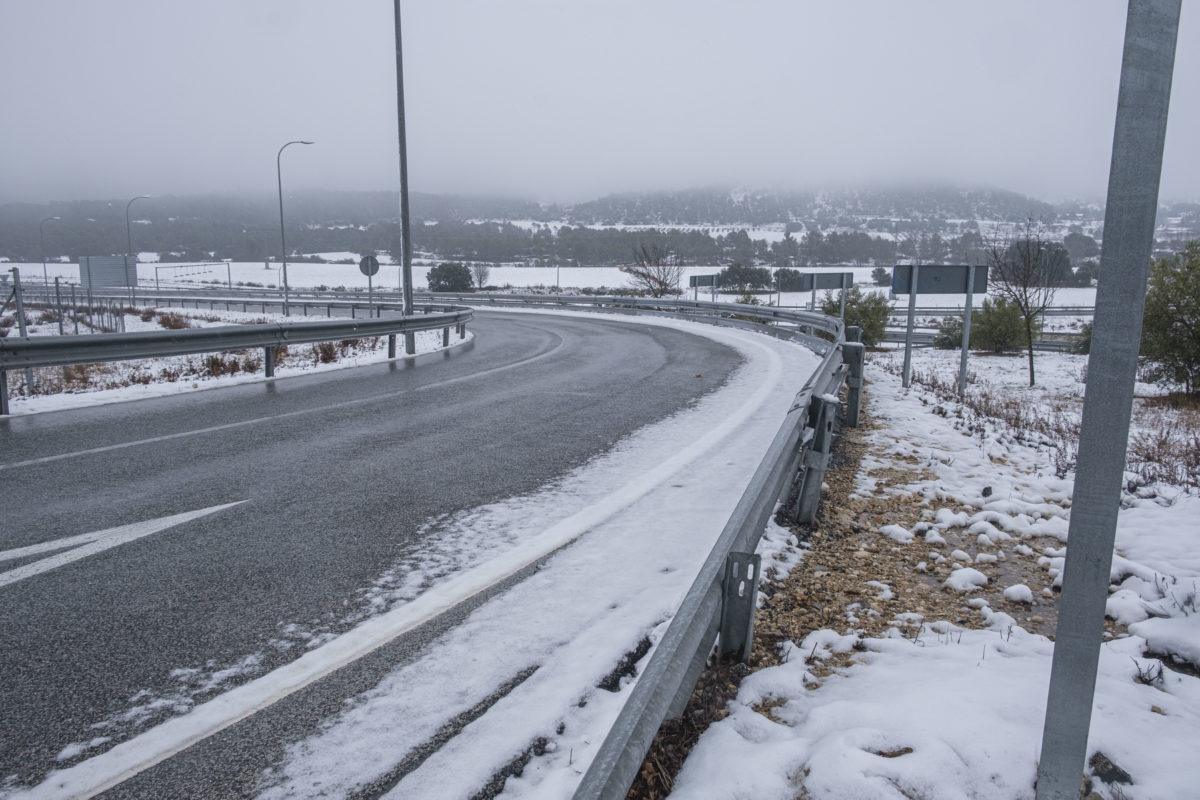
column 133, row 756
column 88, row 544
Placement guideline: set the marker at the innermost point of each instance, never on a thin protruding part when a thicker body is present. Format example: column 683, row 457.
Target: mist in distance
column 566, row 100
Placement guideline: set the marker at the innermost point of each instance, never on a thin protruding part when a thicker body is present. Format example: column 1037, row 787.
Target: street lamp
column 282, row 241
column 42, row 233
column 129, row 240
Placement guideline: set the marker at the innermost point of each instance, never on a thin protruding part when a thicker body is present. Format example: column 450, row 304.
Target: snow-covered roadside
column 617, row 585
column 160, row 377
column 940, row 691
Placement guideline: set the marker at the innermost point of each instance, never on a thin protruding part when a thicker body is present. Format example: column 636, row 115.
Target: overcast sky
column 570, row 99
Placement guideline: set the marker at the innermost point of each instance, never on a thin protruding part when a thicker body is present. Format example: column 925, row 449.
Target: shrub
column 450, row 277
column 147, row 314
column 217, row 364
column 1083, row 345
column 173, row 321
column 1171, row 330
column 869, row 311
column 999, row 327
column 949, row 335
column 745, row 277
column 787, row 279
column 325, row 352
column 881, row 276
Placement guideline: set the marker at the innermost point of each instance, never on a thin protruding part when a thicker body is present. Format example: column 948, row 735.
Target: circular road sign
column 369, row 265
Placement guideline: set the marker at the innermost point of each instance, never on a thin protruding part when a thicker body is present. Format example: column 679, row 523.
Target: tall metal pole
column 129, row 242
column 1151, row 30
column 42, row 235
column 282, row 239
column 410, row 342
column 908, row 332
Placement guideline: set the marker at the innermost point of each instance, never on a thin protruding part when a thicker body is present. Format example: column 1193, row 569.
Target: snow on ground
column 952, row 706
column 573, row 279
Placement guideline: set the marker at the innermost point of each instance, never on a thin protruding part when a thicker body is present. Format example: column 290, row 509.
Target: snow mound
column 900, row 534
column 1019, row 593
column 966, row 579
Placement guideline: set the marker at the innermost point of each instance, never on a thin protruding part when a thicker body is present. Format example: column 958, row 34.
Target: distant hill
column 847, row 207
column 246, row 228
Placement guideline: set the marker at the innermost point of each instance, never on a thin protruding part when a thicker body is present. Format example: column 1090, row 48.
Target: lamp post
column 410, row 342
column 129, row 240
column 42, row 235
column 282, row 240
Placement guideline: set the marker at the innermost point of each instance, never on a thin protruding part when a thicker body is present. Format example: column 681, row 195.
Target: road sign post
column 826, row 280
column 368, row 266
column 914, row 279
column 1147, row 67
column 966, row 334
column 696, row 281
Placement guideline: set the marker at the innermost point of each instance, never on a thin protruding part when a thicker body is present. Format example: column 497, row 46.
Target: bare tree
column 1026, row 269
column 480, row 271
column 655, row 270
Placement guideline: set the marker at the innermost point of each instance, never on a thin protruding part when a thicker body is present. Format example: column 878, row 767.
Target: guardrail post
column 462, row 330
column 815, row 459
column 391, row 345
column 739, row 599
column 854, row 355
column 269, row 361
column 3, row 392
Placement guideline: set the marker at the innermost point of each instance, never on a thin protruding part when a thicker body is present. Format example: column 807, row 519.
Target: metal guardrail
column 957, row 311
column 801, row 326
column 1063, row 343
column 57, row 351
column 719, row 606
column 794, row 464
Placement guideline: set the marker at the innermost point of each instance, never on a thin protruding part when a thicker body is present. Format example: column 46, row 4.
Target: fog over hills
column 246, row 227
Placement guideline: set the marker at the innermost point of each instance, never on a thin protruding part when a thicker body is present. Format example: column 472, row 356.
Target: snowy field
column 573, row 279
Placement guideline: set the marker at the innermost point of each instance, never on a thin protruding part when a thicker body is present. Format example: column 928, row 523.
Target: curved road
column 333, row 476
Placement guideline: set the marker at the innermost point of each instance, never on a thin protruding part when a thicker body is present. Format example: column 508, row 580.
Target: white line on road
column 88, row 544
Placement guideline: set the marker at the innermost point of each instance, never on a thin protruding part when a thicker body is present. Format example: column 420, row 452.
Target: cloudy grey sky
column 570, row 99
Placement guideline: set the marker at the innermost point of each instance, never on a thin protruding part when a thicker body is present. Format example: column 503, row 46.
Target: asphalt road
column 335, row 474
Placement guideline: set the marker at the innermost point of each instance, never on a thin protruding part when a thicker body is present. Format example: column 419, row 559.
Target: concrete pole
column 1147, row 67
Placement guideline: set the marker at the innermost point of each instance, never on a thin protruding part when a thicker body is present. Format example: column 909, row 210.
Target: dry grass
column 1164, row 445
column 173, row 321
